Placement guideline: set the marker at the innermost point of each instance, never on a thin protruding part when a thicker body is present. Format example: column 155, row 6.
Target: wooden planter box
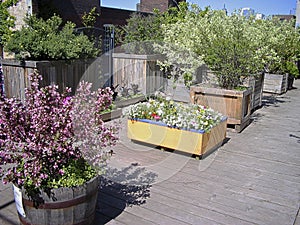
column 195, row 143
column 275, row 83
column 116, row 113
column 236, row 105
column 130, row 101
column 256, row 83
column 138, row 69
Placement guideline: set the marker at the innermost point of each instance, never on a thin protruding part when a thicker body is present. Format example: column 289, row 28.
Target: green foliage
column 48, row 40
column 222, row 42
column 178, row 45
column 7, row 21
column 229, row 49
column 283, row 42
column 140, row 32
column 89, row 19
column 76, row 173
column 291, row 68
column 233, row 47
column 143, row 30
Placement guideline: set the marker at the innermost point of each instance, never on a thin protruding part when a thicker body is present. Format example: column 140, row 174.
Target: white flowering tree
column 282, row 43
column 179, row 45
column 233, row 47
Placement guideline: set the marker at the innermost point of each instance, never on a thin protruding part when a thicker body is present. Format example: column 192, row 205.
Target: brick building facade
column 161, row 5
column 73, row 10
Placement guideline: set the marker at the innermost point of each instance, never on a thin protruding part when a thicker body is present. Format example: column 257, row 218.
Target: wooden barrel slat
column 61, row 205
column 70, row 206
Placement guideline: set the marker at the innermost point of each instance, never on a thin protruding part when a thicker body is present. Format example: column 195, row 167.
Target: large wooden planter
column 256, row 83
column 195, row 143
column 275, row 83
column 236, row 105
column 65, row 206
column 138, row 69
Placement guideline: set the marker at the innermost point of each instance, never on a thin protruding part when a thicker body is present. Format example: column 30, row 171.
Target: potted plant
column 188, row 128
column 52, row 148
column 225, row 45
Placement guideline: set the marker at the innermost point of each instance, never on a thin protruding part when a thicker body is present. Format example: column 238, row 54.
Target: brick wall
column 162, row 5
column 113, row 16
column 70, row 10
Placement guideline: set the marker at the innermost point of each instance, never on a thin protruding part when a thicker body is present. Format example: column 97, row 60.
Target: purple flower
column 67, row 100
column 43, row 135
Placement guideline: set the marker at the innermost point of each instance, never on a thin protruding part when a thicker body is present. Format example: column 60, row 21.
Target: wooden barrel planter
column 65, row 206
column 236, row 105
column 275, row 83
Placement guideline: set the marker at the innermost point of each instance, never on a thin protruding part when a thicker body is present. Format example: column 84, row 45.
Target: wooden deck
column 254, row 178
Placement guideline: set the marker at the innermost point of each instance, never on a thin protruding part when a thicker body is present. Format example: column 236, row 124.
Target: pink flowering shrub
column 51, row 135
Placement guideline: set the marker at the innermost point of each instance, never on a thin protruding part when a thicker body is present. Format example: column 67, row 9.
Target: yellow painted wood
column 182, row 140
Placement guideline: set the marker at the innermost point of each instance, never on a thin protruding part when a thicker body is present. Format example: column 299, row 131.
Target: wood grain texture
column 236, row 105
column 275, row 83
column 181, row 140
column 138, row 69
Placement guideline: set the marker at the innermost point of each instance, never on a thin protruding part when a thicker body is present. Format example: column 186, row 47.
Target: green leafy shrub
column 49, row 40
column 7, row 21
column 280, row 44
column 224, row 43
column 89, row 19
column 143, row 30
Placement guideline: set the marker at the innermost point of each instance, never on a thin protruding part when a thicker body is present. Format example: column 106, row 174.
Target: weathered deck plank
column 227, row 199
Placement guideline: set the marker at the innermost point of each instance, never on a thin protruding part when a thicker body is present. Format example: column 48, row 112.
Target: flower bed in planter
column 236, row 105
column 188, row 128
column 193, row 142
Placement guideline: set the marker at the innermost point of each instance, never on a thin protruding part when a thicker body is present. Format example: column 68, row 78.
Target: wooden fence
column 62, row 73
column 141, row 70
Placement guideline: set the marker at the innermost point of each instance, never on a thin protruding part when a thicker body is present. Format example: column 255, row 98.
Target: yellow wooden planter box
column 191, row 142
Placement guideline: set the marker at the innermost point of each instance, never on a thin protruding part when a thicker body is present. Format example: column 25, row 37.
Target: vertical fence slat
column 62, row 73
column 137, row 69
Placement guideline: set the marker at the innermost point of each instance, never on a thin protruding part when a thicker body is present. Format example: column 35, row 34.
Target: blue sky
column 267, row 7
